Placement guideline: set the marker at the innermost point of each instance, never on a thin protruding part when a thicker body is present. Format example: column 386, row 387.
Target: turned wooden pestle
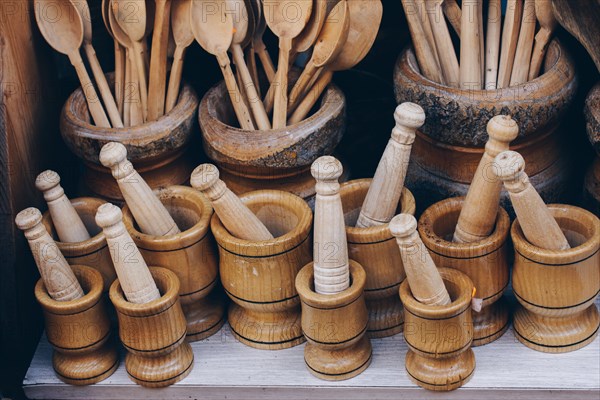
column 478, row 215
column 330, row 250
column 424, row 279
column 68, row 224
column 538, row 225
column 60, row 282
column 133, row 273
column 149, row 213
column 239, row 220
column 384, row 193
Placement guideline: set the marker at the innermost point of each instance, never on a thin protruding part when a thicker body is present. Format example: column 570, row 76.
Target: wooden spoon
column 259, row 46
column 547, row 21
column 256, row 7
column 492, row 45
column 158, row 60
column 330, row 43
column 120, row 58
column 365, row 18
column 520, row 70
column 130, row 15
column 65, row 35
column 445, row 47
column 107, row 97
column 213, row 30
column 184, row 37
column 287, row 19
column 510, row 36
column 243, row 25
column 470, row 46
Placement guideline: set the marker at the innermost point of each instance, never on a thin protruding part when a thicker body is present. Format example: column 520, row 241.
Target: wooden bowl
column 278, row 158
column 157, row 149
column 592, row 117
column 459, row 117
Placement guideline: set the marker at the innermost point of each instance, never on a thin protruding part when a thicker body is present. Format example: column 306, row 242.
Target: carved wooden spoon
column 184, row 37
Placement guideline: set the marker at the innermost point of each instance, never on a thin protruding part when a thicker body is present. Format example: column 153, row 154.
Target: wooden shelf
column 227, row 369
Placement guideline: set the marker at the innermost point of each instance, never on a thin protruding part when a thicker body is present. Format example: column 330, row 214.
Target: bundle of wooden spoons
column 508, row 53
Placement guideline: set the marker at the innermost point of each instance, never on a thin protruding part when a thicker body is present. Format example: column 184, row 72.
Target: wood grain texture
column 445, row 47
column 547, row 21
column 520, row 70
column 259, row 276
column 191, row 255
column 470, row 48
column 510, row 37
column 492, row 44
column 158, row 60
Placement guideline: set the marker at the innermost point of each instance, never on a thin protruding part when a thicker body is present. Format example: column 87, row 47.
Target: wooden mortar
column 93, row 252
column 259, row 276
column 592, row 178
column 335, row 326
column 154, row 333
column 439, row 337
column 557, row 289
column 273, row 159
column 157, row 149
column 375, row 249
column 485, row 262
column 191, row 255
column 79, row 330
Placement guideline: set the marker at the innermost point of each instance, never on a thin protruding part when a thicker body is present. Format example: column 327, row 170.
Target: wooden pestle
column 478, row 215
column 383, row 196
column 68, row 224
column 59, row 279
column 330, row 250
column 424, row 279
column 470, row 46
column 239, row 220
column 133, row 273
column 538, row 225
column 150, row 214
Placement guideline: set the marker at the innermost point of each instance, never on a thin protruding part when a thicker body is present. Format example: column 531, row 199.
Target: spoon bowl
column 65, row 33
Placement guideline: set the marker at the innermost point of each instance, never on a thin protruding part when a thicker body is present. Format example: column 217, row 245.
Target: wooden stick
column 240, row 108
column 427, row 29
column 542, row 40
column 265, row 60
column 142, row 76
column 492, row 53
column 68, row 224
column 330, row 250
column 91, row 97
column 60, row 282
column 126, row 84
column 520, row 70
column 478, row 215
column 453, row 13
column 538, row 225
column 510, row 36
column 175, row 78
column 120, row 60
column 134, row 98
column 158, row 60
column 239, row 220
column 253, row 67
column 149, row 213
column 383, row 196
column 133, row 273
column 470, row 46
column 424, row 279
column 445, row 47
column 311, row 98
column 281, row 87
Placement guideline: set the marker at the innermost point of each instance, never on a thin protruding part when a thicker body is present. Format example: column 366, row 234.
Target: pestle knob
column 384, row 193
column 235, row 216
column 149, row 213
column 538, row 225
column 478, row 215
column 60, row 282
column 67, row 222
column 133, row 273
column 330, row 250
column 424, row 279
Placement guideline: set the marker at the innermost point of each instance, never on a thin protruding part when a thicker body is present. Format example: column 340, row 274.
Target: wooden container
column 191, row 255
column 485, row 262
column 439, row 337
column 375, row 249
column 275, row 159
column 557, row 289
column 592, row 178
column 157, row 149
column 259, row 276
column 79, row 330
column 335, row 326
column 154, row 333
column 93, row 252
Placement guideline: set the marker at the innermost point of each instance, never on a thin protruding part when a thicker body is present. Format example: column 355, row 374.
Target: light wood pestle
column 149, row 213
column 478, row 215
column 330, row 250
column 381, row 202
column 538, row 225
column 133, row 273
column 424, row 279
column 239, row 220
column 67, row 222
column 60, row 282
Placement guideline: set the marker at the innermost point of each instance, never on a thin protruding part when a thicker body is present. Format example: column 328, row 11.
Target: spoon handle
column 126, row 85
column 281, row 98
column 520, row 70
column 253, row 67
column 140, row 65
column 93, row 102
column 302, row 84
column 241, row 111
column 470, row 47
column 492, row 52
column 542, row 39
column 175, row 78
column 510, row 35
column 453, row 13
column 120, row 59
column 136, row 116
column 445, row 47
column 107, row 97
column 158, row 60
column 265, row 59
column 260, row 115
column 311, row 97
